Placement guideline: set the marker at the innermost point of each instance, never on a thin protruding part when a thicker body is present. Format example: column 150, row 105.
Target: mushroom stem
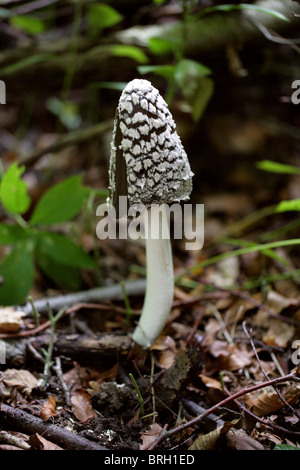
column 160, row 277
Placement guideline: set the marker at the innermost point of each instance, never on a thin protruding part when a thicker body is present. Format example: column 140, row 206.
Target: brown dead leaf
column 267, row 401
column 150, row 436
column 81, row 406
column 279, row 333
column 38, row 442
column 238, row 439
column 167, row 351
column 229, row 356
column 277, row 302
column 49, row 409
column 210, row 382
column 21, row 379
column 210, row 440
column 10, row 320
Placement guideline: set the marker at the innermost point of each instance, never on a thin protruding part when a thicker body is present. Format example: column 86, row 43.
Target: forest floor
column 224, row 373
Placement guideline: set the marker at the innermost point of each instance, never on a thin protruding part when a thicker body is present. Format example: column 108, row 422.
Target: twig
column 49, row 352
column 16, row 419
column 13, row 440
column 58, row 370
column 198, row 419
column 99, row 294
column 266, row 375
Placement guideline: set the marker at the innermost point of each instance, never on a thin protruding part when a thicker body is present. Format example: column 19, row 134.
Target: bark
column 19, row 420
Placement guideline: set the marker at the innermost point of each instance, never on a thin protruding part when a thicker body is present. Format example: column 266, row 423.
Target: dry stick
column 295, row 412
column 14, row 418
column 58, row 370
column 236, row 395
column 98, row 294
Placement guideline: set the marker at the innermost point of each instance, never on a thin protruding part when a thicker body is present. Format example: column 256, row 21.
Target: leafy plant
column 32, row 242
column 189, row 76
column 192, row 78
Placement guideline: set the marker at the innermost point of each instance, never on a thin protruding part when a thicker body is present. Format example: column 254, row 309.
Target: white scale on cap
column 145, row 137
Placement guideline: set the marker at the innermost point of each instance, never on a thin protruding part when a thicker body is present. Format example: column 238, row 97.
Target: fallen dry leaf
column 210, row 440
column 238, row 439
column 150, row 436
column 38, row 442
column 81, row 406
column 166, row 351
column 21, row 379
column 211, row 382
column 49, row 409
column 10, row 320
column 279, row 334
column 267, row 401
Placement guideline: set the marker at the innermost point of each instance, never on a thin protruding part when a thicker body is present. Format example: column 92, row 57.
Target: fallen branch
column 99, row 294
column 19, row 420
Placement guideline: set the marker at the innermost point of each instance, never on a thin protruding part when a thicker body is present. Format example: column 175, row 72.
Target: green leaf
column 275, row 167
column 13, row 191
column 160, row 46
column 17, row 270
column 285, row 447
column 102, row 16
column 63, row 250
column 292, row 205
column 166, row 71
column 187, row 70
column 245, row 6
column 60, row 203
column 23, row 63
column 132, row 52
column 28, row 24
column 67, row 112
column 10, row 234
column 196, row 87
column 63, row 276
column 109, row 85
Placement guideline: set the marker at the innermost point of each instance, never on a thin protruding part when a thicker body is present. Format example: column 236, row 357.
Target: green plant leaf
column 23, row 63
column 166, row 71
column 160, row 46
column 196, row 87
column 62, row 275
column 60, row 203
column 13, row 191
column 245, row 6
column 101, row 16
column 28, row 24
column 10, row 234
column 17, row 270
column 285, row 447
column 187, row 70
column 132, row 52
column 292, row 205
column 67, row 112
column 63, row 250
column 275, row 167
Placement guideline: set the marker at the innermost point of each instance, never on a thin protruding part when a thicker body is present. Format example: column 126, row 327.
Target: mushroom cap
column 148, row 163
